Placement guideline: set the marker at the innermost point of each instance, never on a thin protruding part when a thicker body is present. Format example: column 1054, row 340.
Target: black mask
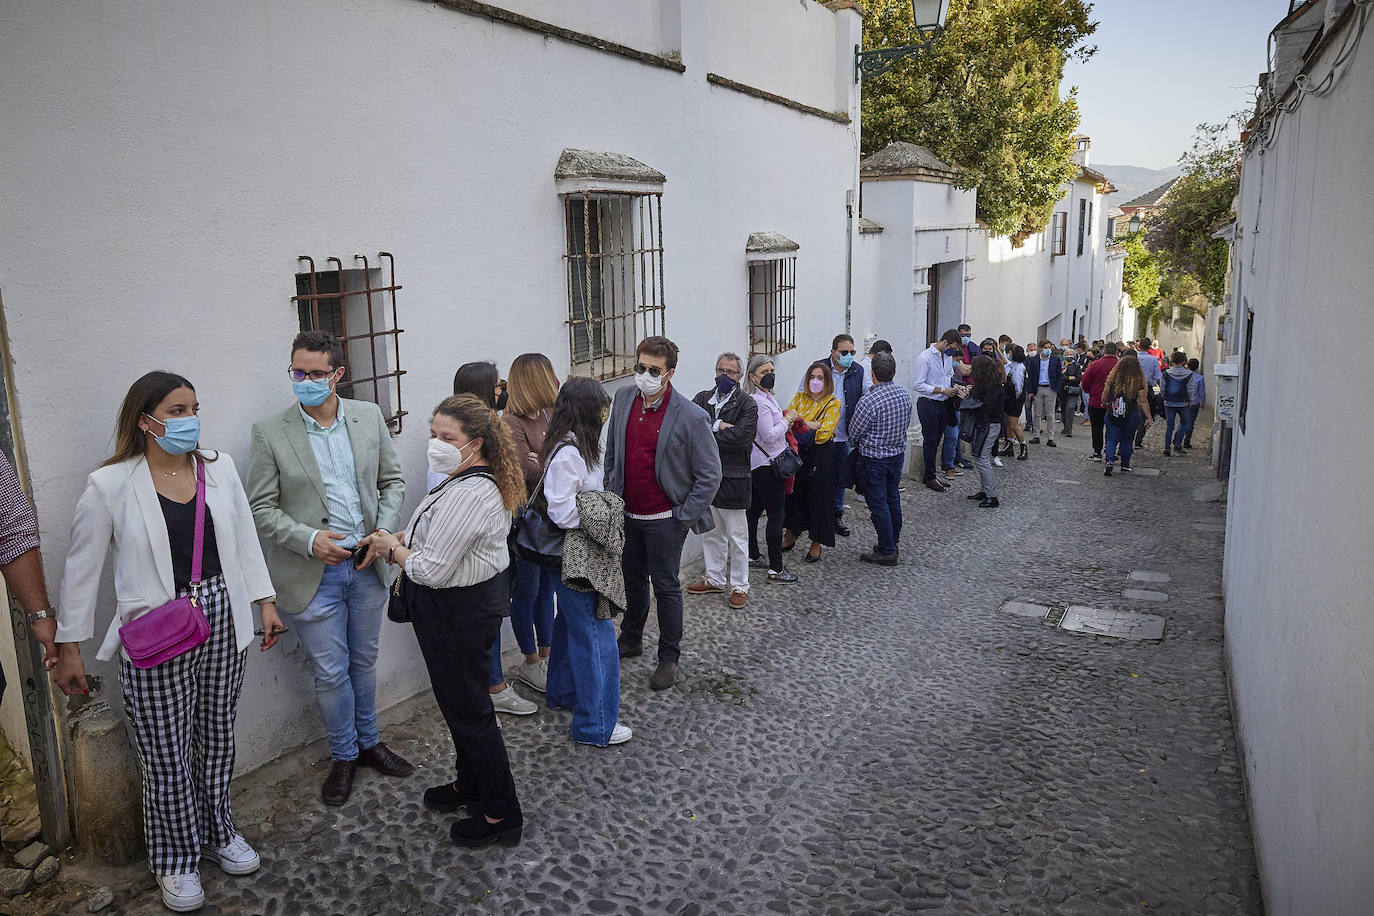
column 766, row 383
column 501, row 401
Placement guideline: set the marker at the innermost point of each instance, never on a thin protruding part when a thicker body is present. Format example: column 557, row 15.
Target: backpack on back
column 1176, row 388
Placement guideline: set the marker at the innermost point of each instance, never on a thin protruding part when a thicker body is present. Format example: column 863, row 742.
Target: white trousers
column 727, row 544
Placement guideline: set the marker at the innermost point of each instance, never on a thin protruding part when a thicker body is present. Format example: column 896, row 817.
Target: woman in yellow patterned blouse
column 810, row 506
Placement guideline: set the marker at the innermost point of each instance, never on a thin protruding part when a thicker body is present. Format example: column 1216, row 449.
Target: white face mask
column 445, row 457
column 647, row 384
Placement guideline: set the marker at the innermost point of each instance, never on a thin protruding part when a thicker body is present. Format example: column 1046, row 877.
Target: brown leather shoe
column 339, row 784
column 382, row 759
column 737, row 600
column 703, row 588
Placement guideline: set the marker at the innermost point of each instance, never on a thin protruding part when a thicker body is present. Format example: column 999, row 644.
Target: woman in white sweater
column 453, row 558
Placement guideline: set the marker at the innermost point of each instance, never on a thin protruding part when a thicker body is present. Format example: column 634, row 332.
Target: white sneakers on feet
column 996, row 462
column 181, row 893
column 620, row 734
column 536, row 675
column 509, row 701
column 234, row 858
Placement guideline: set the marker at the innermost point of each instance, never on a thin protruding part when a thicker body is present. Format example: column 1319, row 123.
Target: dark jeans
column 1120, row 434
column 841, row 454
column 455, row 628
column 1156, row 408
column 653, row 552
column 1189, row 421
column 769, row 497
column 931, row 415
column 1097, row 416
column 1174, row 417
column 880, row 477
column 531, row 612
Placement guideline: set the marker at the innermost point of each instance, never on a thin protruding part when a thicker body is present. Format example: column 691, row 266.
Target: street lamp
column 1134, row 224
column 929, row 18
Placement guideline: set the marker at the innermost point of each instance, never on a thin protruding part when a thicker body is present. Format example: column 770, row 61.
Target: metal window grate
column 772, row 306
column 1082, row 224
column 615, row 278
column 332, row 300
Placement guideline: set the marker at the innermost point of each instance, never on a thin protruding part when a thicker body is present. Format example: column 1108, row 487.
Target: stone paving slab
column 1144, row 594
column 1025, row 609
column 1117, row 624
column 870, row 740
column 1146, row 575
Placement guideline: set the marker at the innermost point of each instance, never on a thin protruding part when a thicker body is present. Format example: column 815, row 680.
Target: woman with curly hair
column 453, row 558
column 1127, row 407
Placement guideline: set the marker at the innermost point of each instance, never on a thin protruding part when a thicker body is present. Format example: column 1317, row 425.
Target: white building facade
column 468, row 181
column 1299, row 538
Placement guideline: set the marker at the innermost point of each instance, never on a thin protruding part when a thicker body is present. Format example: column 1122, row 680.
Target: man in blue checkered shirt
column 877, row 430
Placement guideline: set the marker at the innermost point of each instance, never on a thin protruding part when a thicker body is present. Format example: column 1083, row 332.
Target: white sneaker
column 234, row 858
column 510, row 701
column 620, row 734
column 996, row 462
column 536, row 675
column 181, row 893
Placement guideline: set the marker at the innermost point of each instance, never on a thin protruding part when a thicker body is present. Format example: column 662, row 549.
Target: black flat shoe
column 979, row 495
column 447, row 799
column 810, row 558
column 475, row 832
column 989, row 503
column 841, row 529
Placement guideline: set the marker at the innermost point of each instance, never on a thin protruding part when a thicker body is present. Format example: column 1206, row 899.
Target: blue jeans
column 339, row 630
column 1121, row 433
column 584, row 667
column 1174, row 438
column 841, row 453
column 880, row 477
column 1189, row 421
column 949, row 448
column 531, row 612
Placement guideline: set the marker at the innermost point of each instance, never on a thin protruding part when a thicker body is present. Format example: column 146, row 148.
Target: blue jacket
column 1033, row 374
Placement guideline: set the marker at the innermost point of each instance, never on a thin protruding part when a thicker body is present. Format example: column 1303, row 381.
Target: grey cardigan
column 592, row 551
column 686, row 460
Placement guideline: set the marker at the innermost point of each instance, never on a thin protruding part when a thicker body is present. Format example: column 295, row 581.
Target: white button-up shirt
column 933, row 371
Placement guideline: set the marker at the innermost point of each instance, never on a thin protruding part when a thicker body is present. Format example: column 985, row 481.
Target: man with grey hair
column 878, row 429
column 734, row 420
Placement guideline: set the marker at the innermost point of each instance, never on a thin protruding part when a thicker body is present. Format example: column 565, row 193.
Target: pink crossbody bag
column 178, row 626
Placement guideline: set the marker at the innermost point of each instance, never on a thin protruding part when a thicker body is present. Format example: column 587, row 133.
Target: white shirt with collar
column 933, row 372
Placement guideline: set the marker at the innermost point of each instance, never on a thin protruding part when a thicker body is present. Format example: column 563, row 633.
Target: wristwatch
column 46, row 613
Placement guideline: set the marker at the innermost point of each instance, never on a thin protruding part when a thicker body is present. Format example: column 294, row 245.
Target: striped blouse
column 458, row 535
column 826, row 413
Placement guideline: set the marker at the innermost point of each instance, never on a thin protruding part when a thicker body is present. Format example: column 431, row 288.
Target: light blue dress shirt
column 334, row 455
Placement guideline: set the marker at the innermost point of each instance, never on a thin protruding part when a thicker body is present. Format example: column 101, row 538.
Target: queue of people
column 323, row 493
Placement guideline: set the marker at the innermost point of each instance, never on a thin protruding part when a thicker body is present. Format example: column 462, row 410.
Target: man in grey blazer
column 661, row 457
column 323, row 475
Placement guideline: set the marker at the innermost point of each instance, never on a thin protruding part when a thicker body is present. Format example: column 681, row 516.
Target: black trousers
column 456, row 628
column 653, row 553
column 1097, row 416
column 769, row 496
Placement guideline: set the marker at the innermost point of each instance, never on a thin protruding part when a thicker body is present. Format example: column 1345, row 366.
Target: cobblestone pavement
column 869, row 740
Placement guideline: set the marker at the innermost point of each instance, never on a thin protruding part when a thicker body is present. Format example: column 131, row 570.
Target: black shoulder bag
column 534, row 537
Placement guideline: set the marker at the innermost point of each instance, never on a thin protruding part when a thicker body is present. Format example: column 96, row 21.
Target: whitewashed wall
column 166, row 162
column 1298, row 577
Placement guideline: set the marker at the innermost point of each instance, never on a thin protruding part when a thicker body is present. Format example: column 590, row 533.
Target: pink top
column 771, row 437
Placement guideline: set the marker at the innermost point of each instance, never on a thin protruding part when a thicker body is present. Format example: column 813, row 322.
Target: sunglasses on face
column 654, row 371
column 846, row 352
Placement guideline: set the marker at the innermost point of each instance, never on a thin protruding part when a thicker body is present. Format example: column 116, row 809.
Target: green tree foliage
column 985, row 98
column 1140, row 275
column 1181, row 233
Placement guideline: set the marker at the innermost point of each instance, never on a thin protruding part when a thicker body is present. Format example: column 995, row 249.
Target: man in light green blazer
column 322, row 476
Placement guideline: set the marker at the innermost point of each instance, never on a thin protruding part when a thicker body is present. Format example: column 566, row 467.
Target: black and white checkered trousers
column 182, row 717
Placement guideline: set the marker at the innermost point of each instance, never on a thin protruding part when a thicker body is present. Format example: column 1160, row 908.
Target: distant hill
column 1132, row 180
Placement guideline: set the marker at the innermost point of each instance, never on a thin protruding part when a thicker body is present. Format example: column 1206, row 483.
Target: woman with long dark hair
column 814, row 412
column 531, row 392
column 1015, row 401
column 145, row 501
column 584, row 663
column 1127, row 407
column 453, row 558
column 988, row 387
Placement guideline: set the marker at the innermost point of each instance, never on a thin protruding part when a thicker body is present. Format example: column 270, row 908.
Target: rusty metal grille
column 336, row 299
column 772, row 306
column 615, row 278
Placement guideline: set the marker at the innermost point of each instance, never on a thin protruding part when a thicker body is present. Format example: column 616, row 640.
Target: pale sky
column 1162, row 67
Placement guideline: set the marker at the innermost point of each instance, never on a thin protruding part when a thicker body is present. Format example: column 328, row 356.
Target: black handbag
column 968, row 417
column 534, row 537
column 785, row 463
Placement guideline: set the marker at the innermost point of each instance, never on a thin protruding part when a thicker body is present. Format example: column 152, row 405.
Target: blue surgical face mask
column 846, row 359
column 312, row 393
column 966, row 339
column 182, row 434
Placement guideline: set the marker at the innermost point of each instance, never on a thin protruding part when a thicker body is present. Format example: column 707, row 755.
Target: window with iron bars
column 358, row 300
column 615, row 278
column 772, row 306
column 1059, row 234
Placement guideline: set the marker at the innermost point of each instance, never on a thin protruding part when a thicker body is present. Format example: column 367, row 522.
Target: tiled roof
column 900, row 159
column 1151, row 198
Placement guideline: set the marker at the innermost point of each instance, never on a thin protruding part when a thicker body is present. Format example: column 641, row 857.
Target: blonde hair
column 532, row 385
column 481, row 422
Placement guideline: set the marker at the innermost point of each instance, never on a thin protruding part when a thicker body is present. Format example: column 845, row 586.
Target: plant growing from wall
column 1180, row 234
column 985, row 98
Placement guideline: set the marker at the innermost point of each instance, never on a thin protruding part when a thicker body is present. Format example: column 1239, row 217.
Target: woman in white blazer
column 142, row 500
